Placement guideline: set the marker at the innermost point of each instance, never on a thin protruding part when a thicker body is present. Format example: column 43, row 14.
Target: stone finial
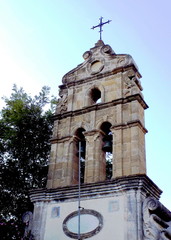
column 99, row 43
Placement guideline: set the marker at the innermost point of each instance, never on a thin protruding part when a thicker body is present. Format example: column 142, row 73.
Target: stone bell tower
column 101, row 106
column 103, row 94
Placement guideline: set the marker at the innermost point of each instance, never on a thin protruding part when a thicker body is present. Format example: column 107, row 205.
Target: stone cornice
column 130, row 124
column 119, row 185
column 135, row 97
column 100, row 75
column 63, row 139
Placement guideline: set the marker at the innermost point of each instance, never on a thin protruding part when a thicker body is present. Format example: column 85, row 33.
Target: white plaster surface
column 110, row 208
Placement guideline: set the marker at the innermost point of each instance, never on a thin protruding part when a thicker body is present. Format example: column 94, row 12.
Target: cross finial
column 100, row 25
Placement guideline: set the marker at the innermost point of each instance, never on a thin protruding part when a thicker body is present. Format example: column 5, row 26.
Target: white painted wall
column 111, row 208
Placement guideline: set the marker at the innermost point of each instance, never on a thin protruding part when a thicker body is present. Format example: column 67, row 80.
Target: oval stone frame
column 83, row 235
column 96, row 67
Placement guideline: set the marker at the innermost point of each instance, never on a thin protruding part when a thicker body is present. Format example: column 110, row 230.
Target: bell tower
column 102, row 106
column 99, row 137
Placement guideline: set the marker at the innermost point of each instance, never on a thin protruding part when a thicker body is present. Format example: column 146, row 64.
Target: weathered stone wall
column 116, row 79
column 122, row 203
column 125, row 207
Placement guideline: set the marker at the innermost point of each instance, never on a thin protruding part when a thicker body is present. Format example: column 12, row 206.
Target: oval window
column 91, row 223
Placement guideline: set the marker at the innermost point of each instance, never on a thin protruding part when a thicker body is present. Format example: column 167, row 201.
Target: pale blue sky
column 41, row 40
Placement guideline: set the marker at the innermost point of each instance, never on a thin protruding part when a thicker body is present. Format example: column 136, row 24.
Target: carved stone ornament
column 129, row 84
column 27, row 220
column 132, row 83
column 120, row 60
column 62, row 102
column 107, row 49
column 87, row 55
column 96, row 67
column 156, row 220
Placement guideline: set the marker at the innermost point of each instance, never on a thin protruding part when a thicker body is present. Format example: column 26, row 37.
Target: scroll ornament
column 156, row 220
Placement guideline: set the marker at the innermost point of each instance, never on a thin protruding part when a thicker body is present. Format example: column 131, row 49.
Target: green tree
column 25, row 130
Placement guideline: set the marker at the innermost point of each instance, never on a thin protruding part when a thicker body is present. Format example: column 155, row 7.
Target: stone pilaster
column 95, row 165
column 128, row 149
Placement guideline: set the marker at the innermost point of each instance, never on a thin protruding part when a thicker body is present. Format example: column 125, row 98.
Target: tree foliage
column 25, row 130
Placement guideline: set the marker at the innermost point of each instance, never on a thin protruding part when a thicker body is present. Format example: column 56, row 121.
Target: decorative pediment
column 100, row 59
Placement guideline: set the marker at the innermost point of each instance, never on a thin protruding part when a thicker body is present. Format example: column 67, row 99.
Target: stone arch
column 107, row 147
column 83, row 124
column 104, row 119
column 90, row 98
column 79, row 154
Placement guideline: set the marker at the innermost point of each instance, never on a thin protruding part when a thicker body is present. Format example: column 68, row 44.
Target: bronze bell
column 107, row 147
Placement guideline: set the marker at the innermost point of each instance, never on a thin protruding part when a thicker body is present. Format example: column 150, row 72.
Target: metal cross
column 100, row 26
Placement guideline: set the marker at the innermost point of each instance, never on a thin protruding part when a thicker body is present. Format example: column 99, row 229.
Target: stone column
column 128, row 149
column 138, row 159
column 62, row 162
column 73, row 162
column 58, row 177
column 39, row 220
column 51, row 167
column 117, row 151
column 95, row 163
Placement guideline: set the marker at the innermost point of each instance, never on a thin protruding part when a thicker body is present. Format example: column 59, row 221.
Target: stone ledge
column 135, row 97
column 130, row 124
column 118, row 185
column 99, row 75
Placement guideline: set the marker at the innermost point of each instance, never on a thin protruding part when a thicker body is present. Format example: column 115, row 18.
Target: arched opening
column 107, row 148
column 82, row 149
column 95, row 95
